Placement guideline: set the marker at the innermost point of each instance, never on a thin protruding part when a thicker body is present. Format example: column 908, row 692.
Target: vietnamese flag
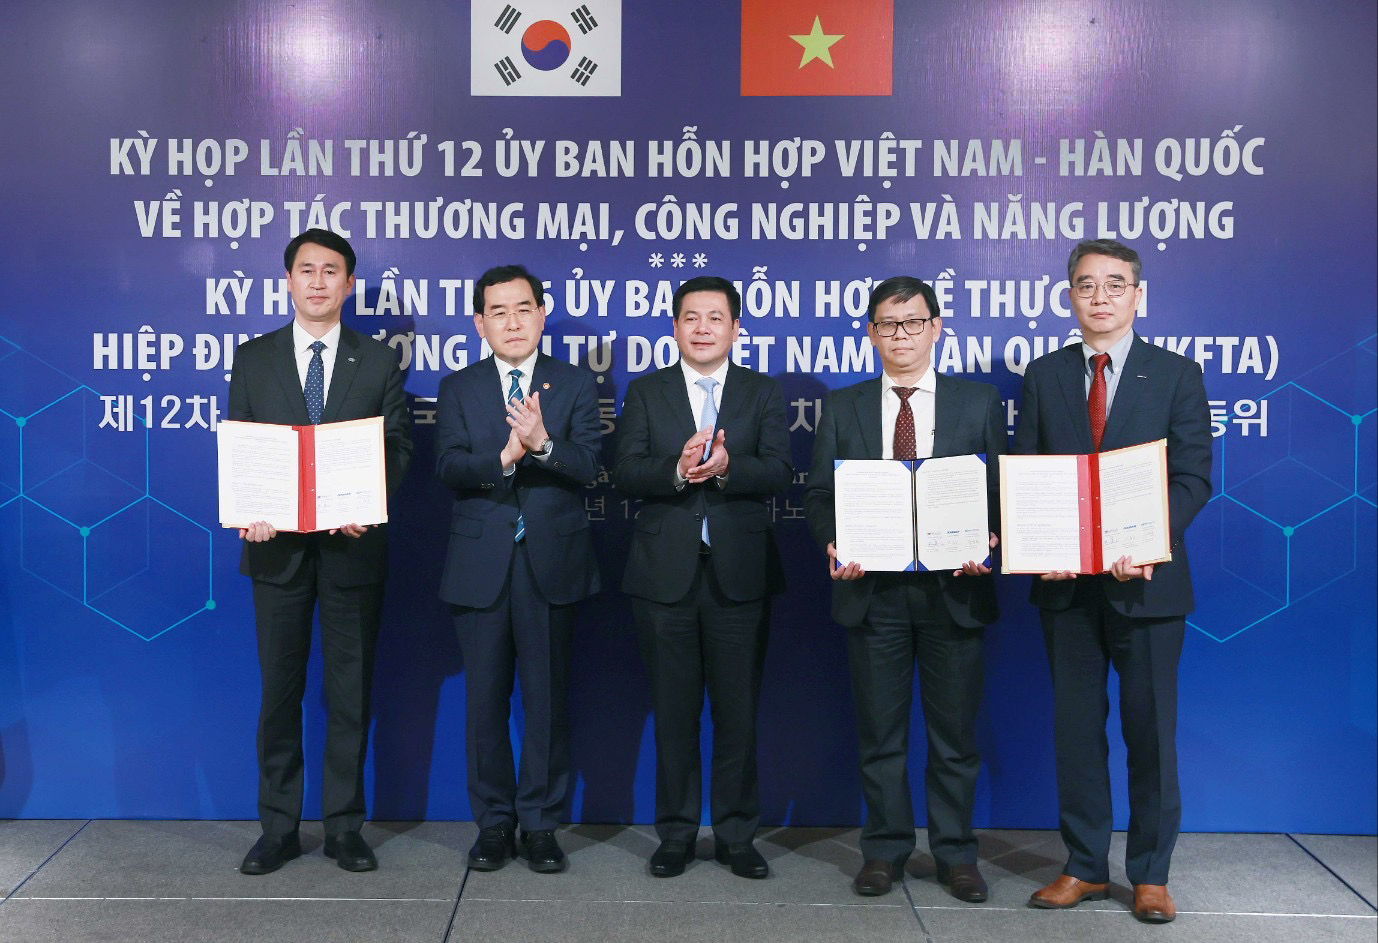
column 817, row 47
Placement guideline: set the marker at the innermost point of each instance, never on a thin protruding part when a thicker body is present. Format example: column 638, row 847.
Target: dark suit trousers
column 520, row 635
column 349, row 631
column 705, row 639
column 907, row 619
column 1083, row 641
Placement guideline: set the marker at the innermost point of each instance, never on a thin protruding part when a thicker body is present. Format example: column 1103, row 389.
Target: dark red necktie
column 1095, row 403
column 904, row 425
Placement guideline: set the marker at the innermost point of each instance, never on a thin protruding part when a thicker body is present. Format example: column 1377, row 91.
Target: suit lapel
column 285, row 366
column 552, row 396
column 1071, row 376
column 675, row 396
column 733, row 394
column 945, row 416
column 867, row 407
column 346, row 366
column 1133, row 382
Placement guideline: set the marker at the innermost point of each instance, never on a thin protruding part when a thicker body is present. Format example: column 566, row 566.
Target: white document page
column 258, row 474
column 954, row 523
column 1040, row 523
column 351, row 478
column 874, row 504
column 1133, row 504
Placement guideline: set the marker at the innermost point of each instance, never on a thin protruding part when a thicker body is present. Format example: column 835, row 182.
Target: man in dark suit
column 1111, row 391
column 892, row 619
column 704, row 444
column 518, row 441
column 315, row 370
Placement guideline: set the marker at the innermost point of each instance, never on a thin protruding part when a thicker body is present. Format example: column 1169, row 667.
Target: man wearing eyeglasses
column 894, row 619
column 517, row 441
column 1112, row 391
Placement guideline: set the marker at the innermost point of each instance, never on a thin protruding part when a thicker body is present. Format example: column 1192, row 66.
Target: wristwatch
column 545, row 448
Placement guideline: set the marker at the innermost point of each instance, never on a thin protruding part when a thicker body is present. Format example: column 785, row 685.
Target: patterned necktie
column 514, row 395
column 708, row 419
column 315, row 385
column 905, row 449
column 1095, row 402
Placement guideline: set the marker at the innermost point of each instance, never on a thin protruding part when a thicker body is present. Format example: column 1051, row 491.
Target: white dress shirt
column 921, row 403
column 301, row 349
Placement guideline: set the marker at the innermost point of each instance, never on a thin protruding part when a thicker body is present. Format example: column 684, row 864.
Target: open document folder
column 302, row 478
column 930, row 514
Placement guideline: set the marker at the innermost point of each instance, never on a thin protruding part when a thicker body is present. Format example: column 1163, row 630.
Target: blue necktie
column 708, row 419
column 315, row 385
column 515, row 395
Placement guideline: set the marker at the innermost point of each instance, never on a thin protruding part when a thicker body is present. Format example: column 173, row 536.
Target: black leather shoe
column 964, row 882
column 875, row 878
column 542, row 852
column 671, row 858
column 496, row 845
column 269, row 854
column 350, row 852
column 745, row 860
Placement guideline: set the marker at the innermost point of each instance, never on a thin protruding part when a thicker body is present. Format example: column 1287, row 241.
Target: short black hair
column 320, row 237
column 501, row 275
column 901, row 288
column 1116, row 250
column 709, row 283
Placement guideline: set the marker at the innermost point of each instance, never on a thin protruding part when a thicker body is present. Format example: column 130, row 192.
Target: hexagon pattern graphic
column 89, row 525
column 1291, row 496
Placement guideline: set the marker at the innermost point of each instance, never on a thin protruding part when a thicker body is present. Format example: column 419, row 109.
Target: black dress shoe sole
column 489, row 864
column 868, row 890
column 750, row 872
column 255, row 868
column 969, row 897
column 548, row 867
column 356, row 865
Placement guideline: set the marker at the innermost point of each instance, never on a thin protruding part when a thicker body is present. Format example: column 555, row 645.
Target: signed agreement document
column 302, row 478
column 1081, row 513
column 911, row 516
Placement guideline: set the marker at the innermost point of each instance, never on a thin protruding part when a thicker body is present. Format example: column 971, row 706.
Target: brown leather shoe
column 875, row 878
column 1153, row 904
column 964, row 882
column 1066, row 892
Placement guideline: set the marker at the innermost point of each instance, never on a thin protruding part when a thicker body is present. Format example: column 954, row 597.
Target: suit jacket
column 472, row 430
column 1161, row 395
column 969, row 418
column 365, row 382
column 657, row 420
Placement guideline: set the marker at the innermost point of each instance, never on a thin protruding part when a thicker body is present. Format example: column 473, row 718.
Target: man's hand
column 972, row 568
column 513, row 452
column 258, row 532
column 1124, row 570
column 692, row 453
column 716, row 465
column 524, row 416
column 350, row 530
column 1057, row 575
column 852, row 571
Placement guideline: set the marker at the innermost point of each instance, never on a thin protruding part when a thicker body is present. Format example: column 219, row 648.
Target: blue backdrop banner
column 159, row 155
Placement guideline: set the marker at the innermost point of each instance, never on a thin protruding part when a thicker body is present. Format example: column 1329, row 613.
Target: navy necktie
column 514, row 395
column 315, row 385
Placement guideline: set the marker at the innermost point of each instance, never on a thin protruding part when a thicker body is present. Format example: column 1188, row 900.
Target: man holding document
column 928, row 593
column 1100, row 397
column 317, row 371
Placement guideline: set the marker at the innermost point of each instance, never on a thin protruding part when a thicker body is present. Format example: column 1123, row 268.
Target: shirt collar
column 692, row 376
column 928, row 382
column 527, row 366
column 302, row 340
column 1118, row 353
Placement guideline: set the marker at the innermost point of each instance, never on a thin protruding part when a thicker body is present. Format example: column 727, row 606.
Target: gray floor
column 179, row 882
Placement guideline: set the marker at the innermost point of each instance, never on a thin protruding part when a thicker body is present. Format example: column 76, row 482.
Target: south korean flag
column 535, row 48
